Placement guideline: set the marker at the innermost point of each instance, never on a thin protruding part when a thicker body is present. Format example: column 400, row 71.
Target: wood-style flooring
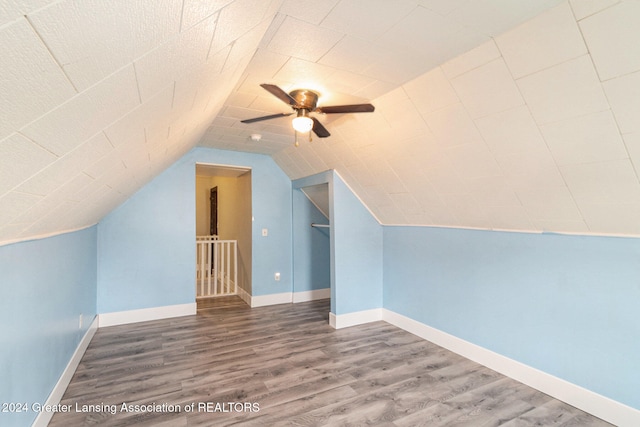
column 286, row 366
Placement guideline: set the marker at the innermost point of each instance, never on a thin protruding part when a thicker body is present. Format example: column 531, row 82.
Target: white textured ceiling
column 98, row 97
column 502, row 114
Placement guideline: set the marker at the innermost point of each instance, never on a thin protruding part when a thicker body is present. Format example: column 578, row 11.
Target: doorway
column 312, row 243
column 223, row 214
column 213, row 211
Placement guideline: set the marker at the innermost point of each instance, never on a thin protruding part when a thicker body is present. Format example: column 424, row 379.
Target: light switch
column 265, row 232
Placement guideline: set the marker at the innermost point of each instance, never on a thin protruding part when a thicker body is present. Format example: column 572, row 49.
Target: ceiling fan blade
column 269, row 117
column 279, row 93
column 355, row 108
column 318, row 129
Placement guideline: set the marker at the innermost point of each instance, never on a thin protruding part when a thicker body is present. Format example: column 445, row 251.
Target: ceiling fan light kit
column 302, row 123
column 303, row 102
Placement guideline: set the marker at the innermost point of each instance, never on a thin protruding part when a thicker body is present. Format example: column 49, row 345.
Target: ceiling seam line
column 64, row 72
column 181, row 17
column 135, row 73
column 604, row 92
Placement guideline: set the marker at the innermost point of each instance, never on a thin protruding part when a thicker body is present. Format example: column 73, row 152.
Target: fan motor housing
column 305, row 99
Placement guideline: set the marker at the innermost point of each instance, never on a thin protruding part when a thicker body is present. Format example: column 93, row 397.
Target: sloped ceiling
column 500, row 114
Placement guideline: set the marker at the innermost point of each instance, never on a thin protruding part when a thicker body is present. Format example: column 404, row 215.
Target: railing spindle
column 216, row 271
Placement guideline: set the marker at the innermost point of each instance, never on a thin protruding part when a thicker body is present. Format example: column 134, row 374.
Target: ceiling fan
column 303, row 102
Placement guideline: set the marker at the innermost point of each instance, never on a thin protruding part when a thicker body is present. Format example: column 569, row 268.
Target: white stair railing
column 216, row 266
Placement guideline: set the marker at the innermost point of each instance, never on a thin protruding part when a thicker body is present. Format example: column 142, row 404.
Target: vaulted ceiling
column 497, row 114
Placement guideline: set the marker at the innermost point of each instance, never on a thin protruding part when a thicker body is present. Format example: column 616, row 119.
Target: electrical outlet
column 277, row 277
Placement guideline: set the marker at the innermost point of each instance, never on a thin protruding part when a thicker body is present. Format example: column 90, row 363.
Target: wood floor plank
column 291, row 368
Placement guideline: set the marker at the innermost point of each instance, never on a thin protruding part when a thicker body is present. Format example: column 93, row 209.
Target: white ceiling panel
column 425, row 33
column 263, row 66
column 623, row 94
column 175, row 58
column 64, row 169
column 550, row 204
column 566, row 90
column 612, row 218
column 530, row 170
column 21, row 159
column 511, row 131
column 474, row 161
column 304, row 74
column 41, row 208
column 427, row 39
column 92, row 39
column 492, row 190
column 406, row 203
column 195, row 11
column 474, row 58
column 55, row 217
column 404, row 121
column 549, row 39
column 239, row 17
column 111, row 162
column 310, row 42
column 431, row 91
column 584, row 8
column 343, row 82
column 75, row 189
column 352, row 54
column 367, row 19
column 444, row 177
column 311, row 11
column 493, row 17
column 612, row 37
column 93, row 110
column 487, row 89
column 398, row 67
column 468, row 211
column 13, row 10
column 632, row 142
column 31, row 83
column 585, row 139
column 603, row 182
column 132, row 128
column 453, row 126
column 14, row 204
column 489, row 113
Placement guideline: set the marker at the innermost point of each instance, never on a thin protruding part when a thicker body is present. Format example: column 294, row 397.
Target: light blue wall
column 567, row 305
column 311, row 260
column 357, row 257
column 146, row 247
column 46, row 284
column 355, row 247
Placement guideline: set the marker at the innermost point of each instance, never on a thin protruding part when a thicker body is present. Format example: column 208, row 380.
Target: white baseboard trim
column 313, row 295
column 283, row 298
column 43, row 418
column 146, row 314
column 600, row 406
column 271, row 299
column 244, row 295
column 357, row 318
